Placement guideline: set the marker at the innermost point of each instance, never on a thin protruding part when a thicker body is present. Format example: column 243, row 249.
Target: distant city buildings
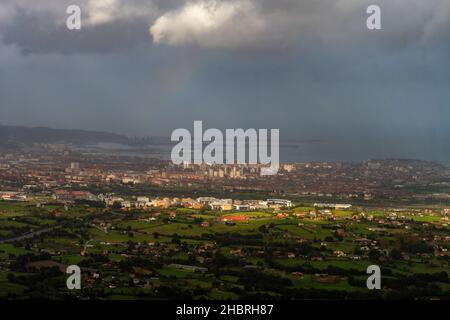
column 65, row 195
column 49, row 167
column 142, row 202
column 12, row 196
column 332, row 205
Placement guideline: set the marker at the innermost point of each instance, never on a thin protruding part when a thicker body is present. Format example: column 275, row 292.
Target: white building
column 281, row 202
column 332, row 205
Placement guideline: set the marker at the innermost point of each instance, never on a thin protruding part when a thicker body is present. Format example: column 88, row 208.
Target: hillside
column 15, row 136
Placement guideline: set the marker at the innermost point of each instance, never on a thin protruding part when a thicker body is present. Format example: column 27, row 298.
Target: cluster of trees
column 415, row 245
column 253, row 280
column 419, row 280
column 20, row 262
column 127, row 265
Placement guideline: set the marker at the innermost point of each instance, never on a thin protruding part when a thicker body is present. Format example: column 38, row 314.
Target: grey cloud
column 107, row 26
column 247, row 23
column 39, row 35
column 315, row 72
column 265, row 25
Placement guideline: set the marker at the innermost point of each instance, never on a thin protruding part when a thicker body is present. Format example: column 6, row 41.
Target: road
column 30, row 235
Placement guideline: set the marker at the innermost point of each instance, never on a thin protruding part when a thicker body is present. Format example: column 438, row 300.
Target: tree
column 395, row 254
column 116, row 205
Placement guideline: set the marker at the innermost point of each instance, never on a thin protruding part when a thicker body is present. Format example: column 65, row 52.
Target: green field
column 278, row 256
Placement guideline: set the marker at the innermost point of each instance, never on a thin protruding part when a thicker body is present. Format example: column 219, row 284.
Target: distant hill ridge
column 27, row 135
column 12, row 137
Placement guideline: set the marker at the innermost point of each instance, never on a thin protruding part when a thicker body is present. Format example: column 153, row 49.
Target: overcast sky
column 310, row 68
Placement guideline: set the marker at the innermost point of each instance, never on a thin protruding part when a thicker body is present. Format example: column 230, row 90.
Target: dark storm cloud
column 310, row 68
column 39, row 35
column 270, row 26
